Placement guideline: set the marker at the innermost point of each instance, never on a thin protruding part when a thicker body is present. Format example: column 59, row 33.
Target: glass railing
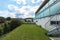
column 49, row 3
column 50, row 11
column 55, row 8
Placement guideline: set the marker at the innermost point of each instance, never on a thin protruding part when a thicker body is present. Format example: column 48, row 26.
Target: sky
column 19, row 8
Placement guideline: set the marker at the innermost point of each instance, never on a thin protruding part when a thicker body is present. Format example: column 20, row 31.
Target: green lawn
column 27, row 32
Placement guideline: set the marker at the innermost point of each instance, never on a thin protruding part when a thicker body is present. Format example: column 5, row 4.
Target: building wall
column 43, row 17
column 45, row 22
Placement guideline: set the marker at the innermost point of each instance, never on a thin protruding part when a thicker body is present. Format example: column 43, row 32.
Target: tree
column 0, row 32
column 8, row 18
column 14, row 23
column 6, row 28
column 2, row 19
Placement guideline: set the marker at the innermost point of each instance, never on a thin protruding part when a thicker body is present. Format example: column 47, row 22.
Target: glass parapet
column 54, row 9
column 50, row 11
column 49, row 3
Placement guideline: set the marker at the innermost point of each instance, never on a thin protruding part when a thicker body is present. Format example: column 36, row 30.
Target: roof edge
column 41, row 6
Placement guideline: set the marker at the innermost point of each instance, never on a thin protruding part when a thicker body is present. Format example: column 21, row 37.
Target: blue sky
column 19, row 8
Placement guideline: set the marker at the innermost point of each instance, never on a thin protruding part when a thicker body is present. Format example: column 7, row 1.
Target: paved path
column 55, row 38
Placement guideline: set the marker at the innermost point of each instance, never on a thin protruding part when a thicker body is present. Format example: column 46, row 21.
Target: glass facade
column 51, row 8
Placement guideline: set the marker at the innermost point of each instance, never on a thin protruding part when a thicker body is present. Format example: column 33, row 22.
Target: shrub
column 6, row 28
column 2, row 19
column 8, row 18
column 0, row 32
column 14, row 23
column 9, row 26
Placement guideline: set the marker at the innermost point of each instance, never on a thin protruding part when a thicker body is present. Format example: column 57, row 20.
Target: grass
column 27, row 32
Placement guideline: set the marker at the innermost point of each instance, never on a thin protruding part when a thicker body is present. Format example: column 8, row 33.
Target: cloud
column 20, row 8
column 25, row 1
column 12, row 7
column 7, row 14
column 33, row 1
column 20, row 1
column 36, row 1
column 26, row 10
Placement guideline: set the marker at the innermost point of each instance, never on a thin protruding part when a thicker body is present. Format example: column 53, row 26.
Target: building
column 29, row 20
column 48, row 15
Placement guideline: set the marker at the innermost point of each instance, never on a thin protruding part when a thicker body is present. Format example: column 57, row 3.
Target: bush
column 6, row 28
column 8, row 18
column 0, row 32
column 2, row 19
column 14, row 23
column 9, row 26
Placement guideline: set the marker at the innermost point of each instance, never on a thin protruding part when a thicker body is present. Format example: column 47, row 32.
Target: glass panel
column 46, row 13
column 41, row 14
column 44, row 7
column 51, row 1
column 38, row 16
column 54, row 9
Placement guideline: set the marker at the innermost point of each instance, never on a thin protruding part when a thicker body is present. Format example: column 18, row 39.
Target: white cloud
column 42, row 0
column 7, row 14
column 26, row 10
column 12, row 7
column 20, row 1
column 25, row 1
column 36, row 1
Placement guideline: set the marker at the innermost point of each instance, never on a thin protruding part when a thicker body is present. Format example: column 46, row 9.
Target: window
column 55, row 22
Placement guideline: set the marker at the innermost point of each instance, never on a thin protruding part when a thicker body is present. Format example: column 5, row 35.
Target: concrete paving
column 55, row 38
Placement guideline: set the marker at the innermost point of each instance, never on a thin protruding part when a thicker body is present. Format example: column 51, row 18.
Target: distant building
column 28, row 19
